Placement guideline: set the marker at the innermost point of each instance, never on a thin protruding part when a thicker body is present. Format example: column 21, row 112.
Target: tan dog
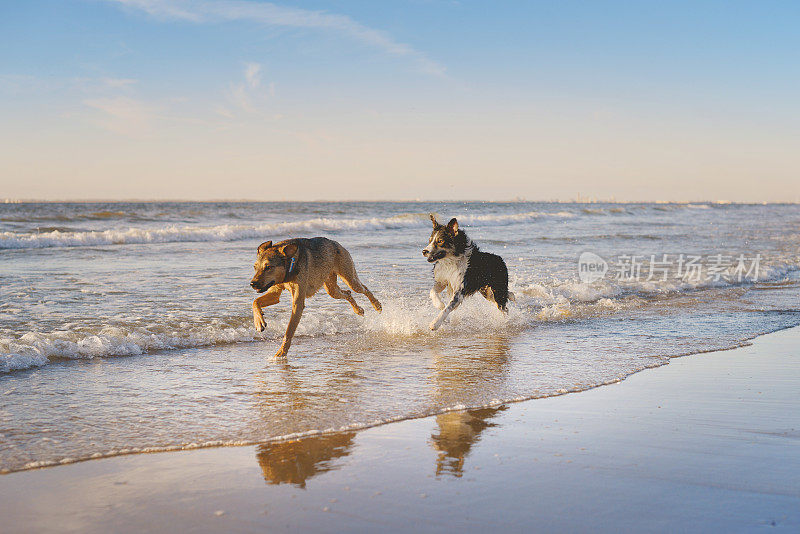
column 303, row 266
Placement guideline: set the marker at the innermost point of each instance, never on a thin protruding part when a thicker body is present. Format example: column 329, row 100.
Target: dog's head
column 446, row 240
column 272, row 265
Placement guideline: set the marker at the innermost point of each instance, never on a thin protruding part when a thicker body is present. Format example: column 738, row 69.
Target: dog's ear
column 452, row 226
column 264, row 246
column 289, row 250
column 434, row 221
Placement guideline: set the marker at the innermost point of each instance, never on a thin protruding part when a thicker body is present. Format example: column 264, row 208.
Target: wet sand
column 710, row 442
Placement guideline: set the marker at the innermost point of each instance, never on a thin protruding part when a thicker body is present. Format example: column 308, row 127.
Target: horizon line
column 519, row 200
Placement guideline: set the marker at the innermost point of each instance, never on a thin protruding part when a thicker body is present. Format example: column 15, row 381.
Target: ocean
column 126, row 327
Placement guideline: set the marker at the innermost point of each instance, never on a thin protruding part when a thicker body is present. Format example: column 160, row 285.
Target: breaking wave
column 235, row 232
column 400, row 318
column 537, row 301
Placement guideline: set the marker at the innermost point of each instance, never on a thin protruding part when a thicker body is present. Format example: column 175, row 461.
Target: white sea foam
column 536, row 301
column 35, row 349
column 235, row 232
column 400, row 318
column 560, row 299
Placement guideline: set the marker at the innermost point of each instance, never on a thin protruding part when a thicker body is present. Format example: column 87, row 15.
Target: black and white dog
column 463, row 270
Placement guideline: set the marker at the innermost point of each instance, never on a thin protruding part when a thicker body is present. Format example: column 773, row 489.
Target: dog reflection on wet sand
column 462, row 380
column 458, row 432
column 295, row 461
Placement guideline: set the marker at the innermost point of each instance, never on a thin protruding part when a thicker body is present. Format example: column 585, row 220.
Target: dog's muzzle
column 433, row 257
column 255, row 286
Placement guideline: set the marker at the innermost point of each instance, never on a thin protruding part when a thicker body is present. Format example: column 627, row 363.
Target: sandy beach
column 706, row 443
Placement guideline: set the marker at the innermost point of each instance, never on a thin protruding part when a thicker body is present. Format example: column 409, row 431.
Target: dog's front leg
column 458, row 296
column 437, row 288
column 298, row 303
column 272, row 296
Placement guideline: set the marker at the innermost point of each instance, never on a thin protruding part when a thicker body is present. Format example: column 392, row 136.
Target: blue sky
column 400, row 99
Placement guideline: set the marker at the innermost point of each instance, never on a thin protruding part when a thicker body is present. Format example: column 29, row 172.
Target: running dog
column 303, row 266
column 463, row 270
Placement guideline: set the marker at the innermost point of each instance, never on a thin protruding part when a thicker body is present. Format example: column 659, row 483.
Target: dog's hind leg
column 487, row 293
column 337, row 292
column 499, row 285
column 500, row 297
column 347, row 271
column 272, row 296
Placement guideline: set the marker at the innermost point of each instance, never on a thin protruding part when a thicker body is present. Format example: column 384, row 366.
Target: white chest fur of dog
column 450, row 270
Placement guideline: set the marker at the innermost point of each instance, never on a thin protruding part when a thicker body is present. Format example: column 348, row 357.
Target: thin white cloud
column 252, row 73
column 200, row 11
column 240, row 97
column 243, row 94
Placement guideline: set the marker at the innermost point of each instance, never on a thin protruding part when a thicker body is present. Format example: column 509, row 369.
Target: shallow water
column 127, row 326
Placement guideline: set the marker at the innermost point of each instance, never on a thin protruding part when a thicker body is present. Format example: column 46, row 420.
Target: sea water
column 127, row 327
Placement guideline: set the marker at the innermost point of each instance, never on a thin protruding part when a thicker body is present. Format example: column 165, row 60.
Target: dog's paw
column 435, row 325
column 282, row 352
column 358, row 309
column 377, row 306
column 259, row 323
